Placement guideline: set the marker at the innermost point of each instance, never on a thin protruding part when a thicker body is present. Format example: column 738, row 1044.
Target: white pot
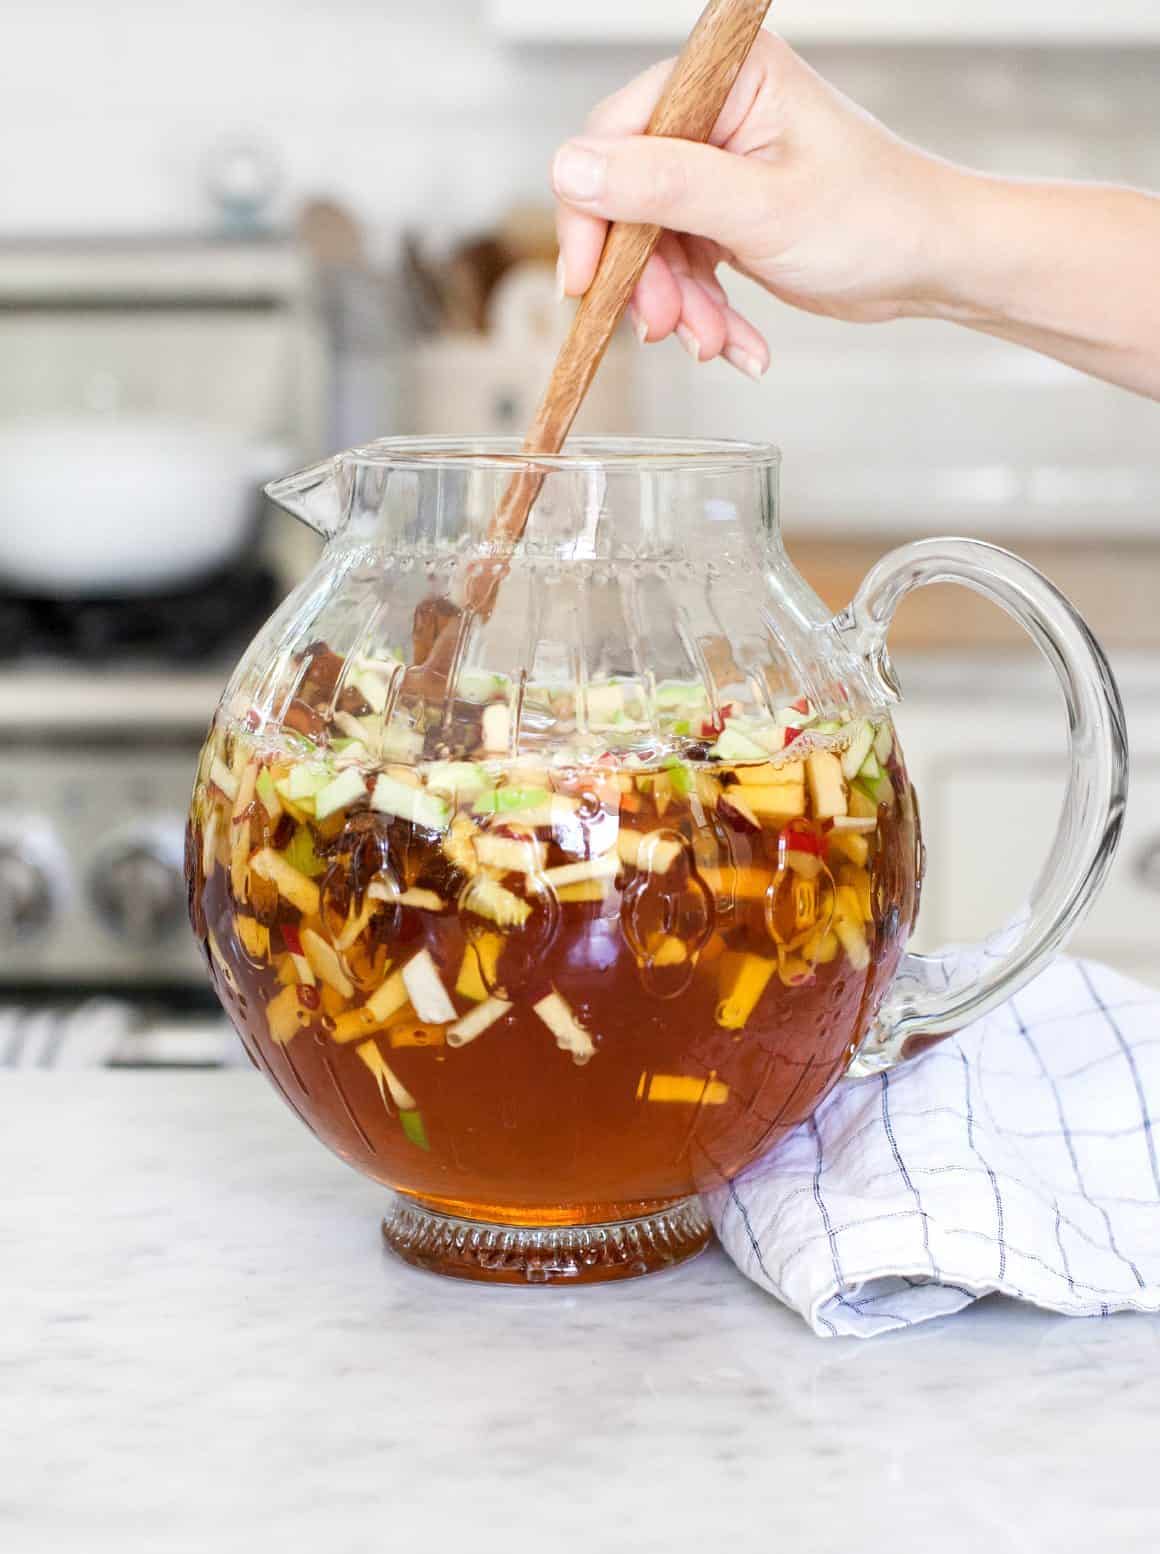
column 107, row 505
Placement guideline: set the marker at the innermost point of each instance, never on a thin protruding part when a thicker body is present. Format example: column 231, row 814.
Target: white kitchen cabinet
column 665, row 22
column 989, row 772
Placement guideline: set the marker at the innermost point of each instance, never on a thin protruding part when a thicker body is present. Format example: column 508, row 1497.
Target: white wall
column 414, row 111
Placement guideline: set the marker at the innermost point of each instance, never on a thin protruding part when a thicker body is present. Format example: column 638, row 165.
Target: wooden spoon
column 688, row 108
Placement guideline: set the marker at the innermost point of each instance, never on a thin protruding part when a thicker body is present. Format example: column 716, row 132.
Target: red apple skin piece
column 801, row 839
column 291, row 939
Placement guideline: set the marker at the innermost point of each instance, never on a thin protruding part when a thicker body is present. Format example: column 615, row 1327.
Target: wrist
column 970, row 252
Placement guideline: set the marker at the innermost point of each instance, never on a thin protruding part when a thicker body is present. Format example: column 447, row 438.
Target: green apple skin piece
column 857, row 750
column 300, row 854
column 679, row 776
column 346, row 788
column 508, row 801
column 870, row 771
column 305, row 781
column 735, row 746
column 413, row 1129
column 264, row 788
column 392, row 797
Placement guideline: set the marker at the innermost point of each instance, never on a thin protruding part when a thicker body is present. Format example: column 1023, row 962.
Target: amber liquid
column 676, row 1096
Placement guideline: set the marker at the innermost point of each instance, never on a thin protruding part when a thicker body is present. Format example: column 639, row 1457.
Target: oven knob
column 25, row 894
column 139, row 893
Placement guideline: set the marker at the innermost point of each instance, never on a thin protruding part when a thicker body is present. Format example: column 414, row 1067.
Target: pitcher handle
column 935, row 995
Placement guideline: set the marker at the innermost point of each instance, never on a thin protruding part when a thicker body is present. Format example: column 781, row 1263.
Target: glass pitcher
column 551, row 902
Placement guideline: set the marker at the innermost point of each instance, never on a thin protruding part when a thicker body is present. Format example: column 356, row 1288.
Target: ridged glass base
column 580, row 1254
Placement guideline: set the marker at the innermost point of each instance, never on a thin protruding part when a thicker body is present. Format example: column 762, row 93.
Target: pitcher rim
column 696, row 455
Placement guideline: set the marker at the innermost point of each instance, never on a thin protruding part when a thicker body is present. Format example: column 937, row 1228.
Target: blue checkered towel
column 1020, row 1157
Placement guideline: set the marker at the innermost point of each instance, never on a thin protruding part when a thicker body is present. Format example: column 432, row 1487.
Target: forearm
column 1071, row 270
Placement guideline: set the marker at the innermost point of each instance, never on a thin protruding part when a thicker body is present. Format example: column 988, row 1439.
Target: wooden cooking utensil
column 688, row 109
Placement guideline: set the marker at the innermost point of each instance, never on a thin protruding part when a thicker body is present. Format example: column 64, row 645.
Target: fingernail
column 689, row 340
column 578, row 173
column 639, row 326
column 561, row 289
column 750, row 365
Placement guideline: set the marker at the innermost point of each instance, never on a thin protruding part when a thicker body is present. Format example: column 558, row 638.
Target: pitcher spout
column 319, row 496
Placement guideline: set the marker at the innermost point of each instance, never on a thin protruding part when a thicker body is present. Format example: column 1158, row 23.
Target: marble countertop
column 204, row 1348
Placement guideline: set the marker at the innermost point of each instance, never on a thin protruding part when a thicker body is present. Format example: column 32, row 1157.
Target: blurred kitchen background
column 235, row 237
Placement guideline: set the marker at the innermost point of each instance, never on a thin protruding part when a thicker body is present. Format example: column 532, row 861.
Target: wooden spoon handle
column 688, row 109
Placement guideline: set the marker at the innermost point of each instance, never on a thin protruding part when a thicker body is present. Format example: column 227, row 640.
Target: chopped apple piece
column 510, row 855
column 741, row 980
column 457, row 844
column 209, row 836
column 303, row 781
column 374, row 686
column 590, row 890
column 426, row 991
column 684, row 1089
column 293, row 885
column 413, row 1129
column 245, row 794
column 476, row 1021
column 422, row 900
column 570, row 1035
column 479, row 972
column 669, row 951
column 603, row 703
column 267, row 797
column 253, row 936
column 853, row 822
column 456, row 779
column 827, row 790
column 883, row 743
column 735, row 884
column 734, row 799
column 733, row 745
column 388, row 999
column 512, row 799
column 304, row 971
column 488, row 898
column 850, row 845
column 862, row 806
column 860, row 746
column 853, row 941
column 356, row 922
column 387, row 1081
column 412, row 1033
column 223, row 779
column 393, row 797
column 771, row 774
column 777, row 803
column 602, row 868
column 822, row 948
column 647, row 851
column 325, row 964
column 286, row 1015
column 847, row 906
column 497, row 728
column 346, row 788
column 852, row 878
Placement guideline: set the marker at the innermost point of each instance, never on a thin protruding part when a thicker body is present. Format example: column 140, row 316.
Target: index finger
column 581, row 236
column 627, row 112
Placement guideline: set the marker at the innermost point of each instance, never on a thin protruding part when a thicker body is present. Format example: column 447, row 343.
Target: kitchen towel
column 1020, row 1157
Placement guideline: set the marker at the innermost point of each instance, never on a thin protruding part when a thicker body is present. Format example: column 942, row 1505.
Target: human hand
column 798, row 188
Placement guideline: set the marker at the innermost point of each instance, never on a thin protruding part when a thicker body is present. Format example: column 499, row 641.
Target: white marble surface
column 203, row 1348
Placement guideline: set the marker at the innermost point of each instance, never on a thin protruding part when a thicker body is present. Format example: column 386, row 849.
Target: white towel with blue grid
column 1021, row 1157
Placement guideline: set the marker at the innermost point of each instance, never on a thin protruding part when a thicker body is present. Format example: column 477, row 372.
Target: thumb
column 679, row 184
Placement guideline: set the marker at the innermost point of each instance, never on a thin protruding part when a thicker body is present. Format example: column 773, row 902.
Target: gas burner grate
column 214, row 618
